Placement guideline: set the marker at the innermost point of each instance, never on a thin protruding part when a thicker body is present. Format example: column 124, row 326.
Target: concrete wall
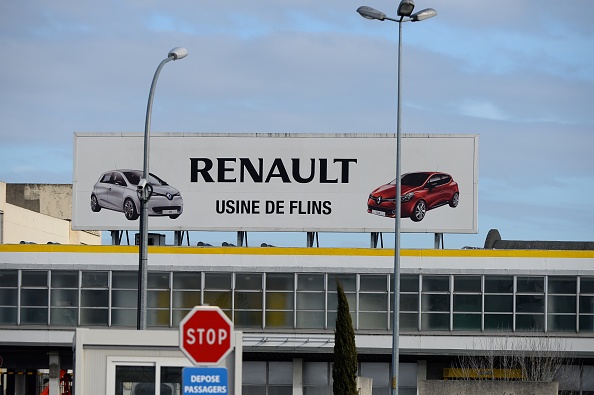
column 42, row 216
column 54, row 200
column 486, row 387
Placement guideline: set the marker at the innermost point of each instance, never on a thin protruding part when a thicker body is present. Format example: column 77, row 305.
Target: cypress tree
column 344, row 370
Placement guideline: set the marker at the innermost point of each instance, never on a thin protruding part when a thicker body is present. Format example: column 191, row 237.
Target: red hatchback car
column 421, row 191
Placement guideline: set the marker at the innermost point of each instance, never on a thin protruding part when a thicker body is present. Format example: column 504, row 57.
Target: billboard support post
column 405, row 14
column 144, row 193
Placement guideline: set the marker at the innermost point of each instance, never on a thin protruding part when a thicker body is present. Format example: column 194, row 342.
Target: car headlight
column 407, row 197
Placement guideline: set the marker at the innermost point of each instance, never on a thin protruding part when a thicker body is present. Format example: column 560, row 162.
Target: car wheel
column 130, row 210
column 174, row 216
column 419, row 211
column 455, row 200
column 95, row 207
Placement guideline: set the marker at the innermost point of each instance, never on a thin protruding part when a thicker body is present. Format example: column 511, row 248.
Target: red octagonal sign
column 205, row 335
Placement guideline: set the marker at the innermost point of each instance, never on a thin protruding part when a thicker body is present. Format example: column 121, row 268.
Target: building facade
column 453, row 303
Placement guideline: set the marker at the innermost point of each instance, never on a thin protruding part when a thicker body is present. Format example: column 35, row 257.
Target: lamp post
column 145, row 190
column 405, row 14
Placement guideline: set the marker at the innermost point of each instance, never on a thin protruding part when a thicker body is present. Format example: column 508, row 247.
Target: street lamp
column 145, row 190
column 405, row 14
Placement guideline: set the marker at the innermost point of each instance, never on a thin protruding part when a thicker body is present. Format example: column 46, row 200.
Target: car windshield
column 134, row 177
column 413, row 179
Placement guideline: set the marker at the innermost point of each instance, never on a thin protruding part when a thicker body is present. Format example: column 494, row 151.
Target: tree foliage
column 344, row 370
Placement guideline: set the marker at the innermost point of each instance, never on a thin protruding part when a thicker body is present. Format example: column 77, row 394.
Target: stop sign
column 205, row 335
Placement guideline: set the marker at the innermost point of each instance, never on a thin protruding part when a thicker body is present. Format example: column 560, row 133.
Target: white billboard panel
column 276, row 182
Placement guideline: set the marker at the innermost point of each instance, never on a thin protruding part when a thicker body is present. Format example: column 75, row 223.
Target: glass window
column 124, row 298
column 158, row 299
column 316, row 378
column 248, row 281
column 408, row 283
column 467, row 303
column 530, row 303
column 587, row 304
column 186, row 294
column 562, row 285
column 34, row 297
column 157, row 280
column 373, row 302
column 435, row 322
column 217, row 291
column 499, row 284
column 171, row 380
column 34, row 316
column 8, row 315
column 408, row 321
column 587, row 285
column 467, row 284
column 218, row 298
column 530, row 284
column 280, row 282
column 562, row 323
column 65, row 317
column 435, row 302
column 436, row 283
column 64, row 279
column 409, row 302
column 136, row 380
column 34, row 278
column 586, row 300
column 64, row 298
column 379, row 372
column 8, row 297
column 187, row 280
column 94, row 279
column 498, row 322
column 529, row 322
column 94, row 299
column 217, row 281
column 281, row 373
column 373, row 283
column 272, row 378
column 124, row 280
column 310, row 282
column 467, row 322
column 8, row 278
column 254, row 372
column 248, row 300
column 499, row 303
column 279, row 309
column 562, row 304
column 311, row 300
column 348, row 282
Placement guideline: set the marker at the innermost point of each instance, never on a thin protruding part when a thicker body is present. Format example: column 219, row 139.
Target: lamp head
column 178, row 53
column 423, row 14
column 371, row 13
column 405, row 8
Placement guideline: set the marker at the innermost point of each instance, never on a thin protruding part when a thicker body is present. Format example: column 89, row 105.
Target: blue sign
column 204, row 381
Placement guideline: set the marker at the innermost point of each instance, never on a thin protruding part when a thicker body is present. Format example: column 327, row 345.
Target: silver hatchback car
column 117, row 190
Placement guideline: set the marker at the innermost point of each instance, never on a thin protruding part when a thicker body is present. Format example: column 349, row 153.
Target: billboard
column 276, row 182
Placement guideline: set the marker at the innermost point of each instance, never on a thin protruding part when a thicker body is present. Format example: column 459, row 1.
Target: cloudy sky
column 518, row 73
